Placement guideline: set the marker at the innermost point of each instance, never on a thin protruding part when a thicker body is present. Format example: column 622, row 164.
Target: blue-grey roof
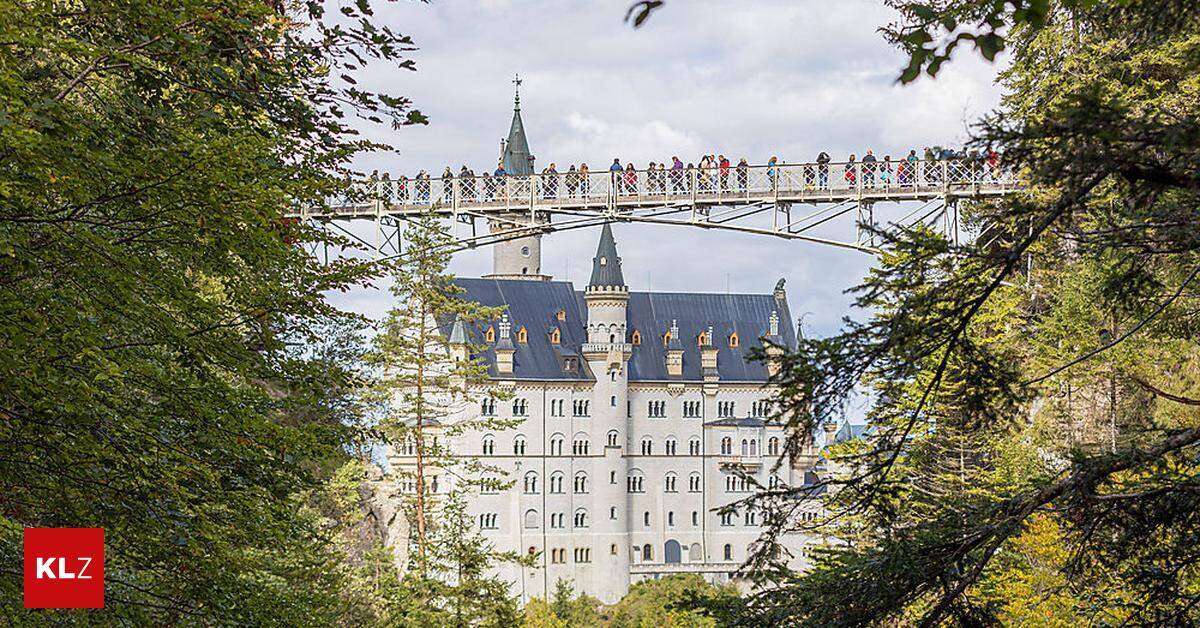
column 606, row 266
column 745, row 421
column 651, row 314
column 534, row 305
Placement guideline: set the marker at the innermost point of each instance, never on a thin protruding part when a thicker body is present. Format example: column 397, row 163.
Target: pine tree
column 430, row 371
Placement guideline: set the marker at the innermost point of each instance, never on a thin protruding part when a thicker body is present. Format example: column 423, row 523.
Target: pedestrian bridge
column 734, row 199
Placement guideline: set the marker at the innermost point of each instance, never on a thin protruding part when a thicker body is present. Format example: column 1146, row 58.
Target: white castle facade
column 636, row 414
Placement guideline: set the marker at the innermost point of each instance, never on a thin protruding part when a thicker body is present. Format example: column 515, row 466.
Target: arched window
column 733, row 339
column 669, row 482
column 490, row 334
column 581, row 483
column 728, row 552
column 753, row 446
column 520, row 407
column 666, row 338
column 489, row 445
column 647, row 446
column 531, row 482
column 612, row 401
column 487, row 407
column 695, row 554
column 556, row 482
column 556, row 444
column 745, row 447
column 694, row 446
column 580, row 445
column 635, row 482
column 694, row 483
column 532, row 520
column 646, row 518
column 773, row 446
column 581, row 518
column 637, row 337
column 695, row 517
column 727, row 446
column 702, row 339
column 555, row 336
column 522, row 335
column 647, row 553
column 519, row 446
column 671, row 445
column 612, row 513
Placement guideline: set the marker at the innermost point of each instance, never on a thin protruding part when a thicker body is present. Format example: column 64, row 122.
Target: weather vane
column 517, row 82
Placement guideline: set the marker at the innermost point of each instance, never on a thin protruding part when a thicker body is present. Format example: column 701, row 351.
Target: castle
column 638, row 414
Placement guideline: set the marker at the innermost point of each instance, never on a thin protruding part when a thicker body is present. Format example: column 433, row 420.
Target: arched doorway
column 672, row 552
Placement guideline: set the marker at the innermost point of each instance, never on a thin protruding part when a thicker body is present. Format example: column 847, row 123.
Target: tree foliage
column 169, row 368
column 1034, row 390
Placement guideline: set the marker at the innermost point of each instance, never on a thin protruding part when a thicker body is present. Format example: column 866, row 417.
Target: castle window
column 691, row 409
column 637, row 337
column 556, row 444
column 647, row 446
column 702, row 339
column 522, row 335
column 636, row 482
column 672, row 444
column 612, row 438
column 569, row 364
column 669, row 484
column 531, row 521
column 487, row 407
column 490, row 334
column 666, row 338
column 733, row 339
column 612, row 514
column 581, row 482
column 531, row 482
column 773, row 446
column 581, row 518
column 695, row 522
column 728, row 552
column 562, row 315
column 555, row 336
column 694, row 483
column 727, row 446
column 556, row 482
column 694, row 447
column 519, row 446
column 489, row 445
column 520, row 407
column 613, row 549
column 580, row 445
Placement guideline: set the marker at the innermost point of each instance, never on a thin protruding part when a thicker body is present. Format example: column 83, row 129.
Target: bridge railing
column 711, row 185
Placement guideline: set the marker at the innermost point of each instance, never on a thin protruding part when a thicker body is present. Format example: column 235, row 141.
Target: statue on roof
column 779, row 284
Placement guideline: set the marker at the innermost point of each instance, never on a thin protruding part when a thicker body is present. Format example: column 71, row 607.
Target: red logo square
column 64, row 567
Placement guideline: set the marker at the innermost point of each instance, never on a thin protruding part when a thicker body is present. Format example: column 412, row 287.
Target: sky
column 753, row 79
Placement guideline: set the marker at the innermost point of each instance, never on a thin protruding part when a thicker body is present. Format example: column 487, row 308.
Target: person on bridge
column 402, row 189
column 723, row 164
column 499, row 170
column 743, row 174
column 584, row 184
column 616, row 166
column 466, row 183
column 676, row 175
column 550, row 181
column 631, row 179
column 705, row 167
column 868, row 168
column 651, row 179
column 572, row 178
column 823, row 169
column 421, row 183
column 851, row 175
column 885, row 171
column 773, row 171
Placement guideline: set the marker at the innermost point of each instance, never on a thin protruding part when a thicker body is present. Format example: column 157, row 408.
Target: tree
column 162, row 373
column 1039, row 383
column 429, row 371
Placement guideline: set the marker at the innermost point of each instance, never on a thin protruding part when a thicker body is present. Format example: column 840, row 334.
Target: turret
column 607, row 298
column 519, row 258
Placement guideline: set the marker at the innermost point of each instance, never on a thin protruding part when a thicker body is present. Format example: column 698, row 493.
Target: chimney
column 708, row 357
column 504, row 347
column 674, row 351
column 773, row 344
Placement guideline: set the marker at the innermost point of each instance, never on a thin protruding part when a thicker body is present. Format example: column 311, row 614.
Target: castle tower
column 519, row 258
column 607, row 352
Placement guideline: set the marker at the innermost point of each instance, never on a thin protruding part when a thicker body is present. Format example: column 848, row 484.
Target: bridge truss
column 793, row 201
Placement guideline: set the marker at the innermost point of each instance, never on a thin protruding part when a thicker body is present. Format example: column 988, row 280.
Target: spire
column 458, row 333
column 517, row 159
column 505, row 341
column 606, row 266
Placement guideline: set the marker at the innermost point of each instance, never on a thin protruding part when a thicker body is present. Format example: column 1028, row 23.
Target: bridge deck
column 612, row 192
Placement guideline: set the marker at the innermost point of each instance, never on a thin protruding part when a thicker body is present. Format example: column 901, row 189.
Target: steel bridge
column 798, row 198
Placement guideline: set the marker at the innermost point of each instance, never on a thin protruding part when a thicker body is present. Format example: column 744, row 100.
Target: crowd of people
column 711, row 174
